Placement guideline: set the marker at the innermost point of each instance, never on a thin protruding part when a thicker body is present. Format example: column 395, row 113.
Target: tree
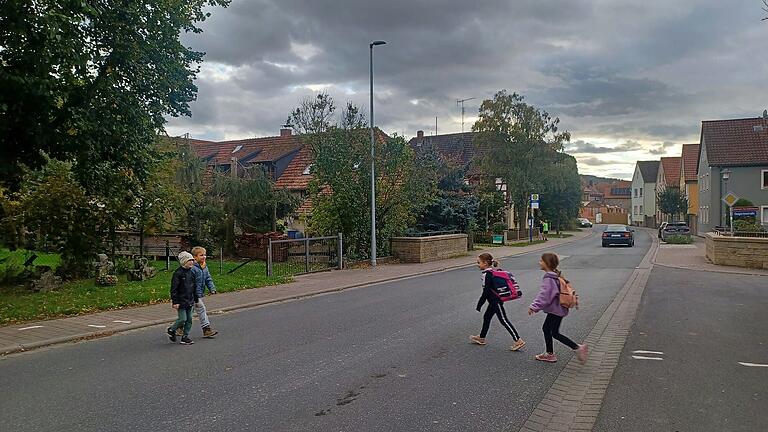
column 313, row 115
column 765, row 9
column 561, row 195
column 518, row 143
column 92, row 82
column 340, row 189
column 671, row 202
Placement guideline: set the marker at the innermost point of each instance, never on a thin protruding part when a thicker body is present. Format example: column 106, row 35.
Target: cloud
column 622, row 76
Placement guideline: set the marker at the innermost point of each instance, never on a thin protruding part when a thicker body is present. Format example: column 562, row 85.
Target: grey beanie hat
column 184, row 257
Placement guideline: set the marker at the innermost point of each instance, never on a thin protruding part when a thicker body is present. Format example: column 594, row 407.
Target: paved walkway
column 27, row 336
column 693, row 257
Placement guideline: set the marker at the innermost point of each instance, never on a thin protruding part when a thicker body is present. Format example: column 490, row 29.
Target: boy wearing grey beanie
column 183, row 297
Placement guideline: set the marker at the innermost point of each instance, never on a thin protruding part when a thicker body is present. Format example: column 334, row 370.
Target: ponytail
column 495, row 263
column 488, row 259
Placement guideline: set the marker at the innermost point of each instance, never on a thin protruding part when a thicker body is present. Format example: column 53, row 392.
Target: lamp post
column 726, row 175
column 373, row 164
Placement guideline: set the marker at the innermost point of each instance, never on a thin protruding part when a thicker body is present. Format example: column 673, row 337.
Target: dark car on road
column 618, row 235
column 584, row 223
column 674, row 228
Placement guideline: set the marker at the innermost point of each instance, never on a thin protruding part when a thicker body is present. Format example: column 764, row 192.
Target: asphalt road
column 704, row 324
column 389, row 357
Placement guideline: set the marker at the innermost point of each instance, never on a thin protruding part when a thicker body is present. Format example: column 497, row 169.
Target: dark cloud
column 622, row 72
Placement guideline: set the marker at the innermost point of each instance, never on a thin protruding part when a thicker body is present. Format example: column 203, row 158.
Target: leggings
column 551, row 329
column 498, row 310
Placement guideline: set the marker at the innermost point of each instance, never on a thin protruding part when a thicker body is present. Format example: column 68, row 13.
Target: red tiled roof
column 456, row 146
column 690, row 161
column 737, row 142
column 293, row 178
column 252, row 150
column 671, row 167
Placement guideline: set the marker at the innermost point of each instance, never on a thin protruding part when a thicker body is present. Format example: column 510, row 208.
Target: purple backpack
column 505, row 286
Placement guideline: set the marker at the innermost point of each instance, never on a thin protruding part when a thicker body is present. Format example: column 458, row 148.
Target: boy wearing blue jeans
column 204, row 280
column 183, row 297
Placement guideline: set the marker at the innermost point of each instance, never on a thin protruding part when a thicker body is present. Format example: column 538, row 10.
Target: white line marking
column 646, row 358
column 647, row 352
column 753, row 364
column 97, row 326
column 122, row 322
column 30, row 328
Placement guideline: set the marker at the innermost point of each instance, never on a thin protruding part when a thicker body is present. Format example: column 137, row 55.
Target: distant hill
column 591, row 179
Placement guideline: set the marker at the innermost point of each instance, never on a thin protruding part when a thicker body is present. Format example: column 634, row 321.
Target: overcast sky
column 630, row 80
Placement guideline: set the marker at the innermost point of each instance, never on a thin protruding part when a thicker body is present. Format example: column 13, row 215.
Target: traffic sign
column 534, row 205
column 534, row 197
column 730, row 199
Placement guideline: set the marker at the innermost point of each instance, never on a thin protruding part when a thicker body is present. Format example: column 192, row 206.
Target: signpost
column 534, row 199
column 730, row 199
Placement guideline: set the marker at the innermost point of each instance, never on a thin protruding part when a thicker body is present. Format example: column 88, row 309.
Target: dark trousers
column 551, row 329
column 184, row 320
column 498, row 310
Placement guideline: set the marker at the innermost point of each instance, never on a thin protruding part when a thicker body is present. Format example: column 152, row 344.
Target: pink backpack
column 505, row 286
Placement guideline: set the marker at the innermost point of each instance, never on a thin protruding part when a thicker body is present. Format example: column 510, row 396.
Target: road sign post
column 534, row 204
column 730, row 199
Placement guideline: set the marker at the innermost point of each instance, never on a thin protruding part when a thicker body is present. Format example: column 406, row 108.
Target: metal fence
column 754, row 234
column 307, row 255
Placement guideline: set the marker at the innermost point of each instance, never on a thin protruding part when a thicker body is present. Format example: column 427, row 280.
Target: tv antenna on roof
column 460, row 102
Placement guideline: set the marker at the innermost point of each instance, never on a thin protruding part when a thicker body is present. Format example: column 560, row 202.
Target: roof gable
column 690, row 164
column 737, row 142
column 670, row 167
column 649, row 170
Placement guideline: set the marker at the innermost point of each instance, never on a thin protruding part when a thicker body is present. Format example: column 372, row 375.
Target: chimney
column 284, row 132
column 420, row 134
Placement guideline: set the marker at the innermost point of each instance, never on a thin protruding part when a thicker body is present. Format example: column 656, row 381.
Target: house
column 688, row 182
column 733, row 157
column 610, row 191
column 643, row 193
column 600, row 212
column 668, row 177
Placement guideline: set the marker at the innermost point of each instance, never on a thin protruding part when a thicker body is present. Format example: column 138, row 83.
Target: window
column 764, row 214
column 635, row 192
column 764, row 177
column 641, row 194
column 634, row 209
column 641, row 208
column 307, row 170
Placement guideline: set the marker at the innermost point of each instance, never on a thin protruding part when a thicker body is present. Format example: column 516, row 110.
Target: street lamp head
column 726, row 174
column 378, row 42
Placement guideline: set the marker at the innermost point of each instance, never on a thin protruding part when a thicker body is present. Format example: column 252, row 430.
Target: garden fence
column 307, row 255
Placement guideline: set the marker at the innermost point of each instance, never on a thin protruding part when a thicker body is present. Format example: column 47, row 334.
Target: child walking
column 183, row 297
column 495, row 306
column 548, row 300
column 204, row 280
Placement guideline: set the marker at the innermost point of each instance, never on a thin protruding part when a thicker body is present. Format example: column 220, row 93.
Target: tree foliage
column 341, row 188
column 313, row 115
column 520, row 144
column 93, row 82
column 672, row 202
column 560, row 199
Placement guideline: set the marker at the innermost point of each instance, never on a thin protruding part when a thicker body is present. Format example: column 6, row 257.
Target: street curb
column 574, row 400
column 101, row 334
column 681, row 267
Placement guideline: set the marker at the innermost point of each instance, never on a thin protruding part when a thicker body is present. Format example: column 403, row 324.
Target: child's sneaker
column 187, row 341
column 517, row 345
column 209, row 333
column 582, row 352
column 171, row 334
column 547, row 357
column 477, row 340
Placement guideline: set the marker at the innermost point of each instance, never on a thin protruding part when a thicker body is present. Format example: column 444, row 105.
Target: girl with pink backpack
column 498, row 287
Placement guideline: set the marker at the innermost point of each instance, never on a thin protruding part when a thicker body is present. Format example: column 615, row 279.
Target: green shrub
column 499, row 228
column 747, row 226
column 679, row 239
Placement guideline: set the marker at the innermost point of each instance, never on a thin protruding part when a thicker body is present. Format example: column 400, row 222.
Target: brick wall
column 737, row 251
column 425, row 249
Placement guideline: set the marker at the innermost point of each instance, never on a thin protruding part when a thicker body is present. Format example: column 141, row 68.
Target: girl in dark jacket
column 183, row 297
column 495, row 306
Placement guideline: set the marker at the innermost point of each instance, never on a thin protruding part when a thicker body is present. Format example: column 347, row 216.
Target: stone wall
column 425, row 249
column 737, row 251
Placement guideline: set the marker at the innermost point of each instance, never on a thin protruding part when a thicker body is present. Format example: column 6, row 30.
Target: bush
column 747, row 226
column 679, row 239
column 499, row 228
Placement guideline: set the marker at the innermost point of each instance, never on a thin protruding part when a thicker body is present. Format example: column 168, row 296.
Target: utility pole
column 460, row 102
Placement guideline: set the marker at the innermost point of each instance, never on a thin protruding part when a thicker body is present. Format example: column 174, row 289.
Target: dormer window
column 307, row 170
column 237, row 149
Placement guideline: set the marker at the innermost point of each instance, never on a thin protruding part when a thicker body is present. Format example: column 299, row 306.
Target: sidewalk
column 31, row 335
column 693, row 257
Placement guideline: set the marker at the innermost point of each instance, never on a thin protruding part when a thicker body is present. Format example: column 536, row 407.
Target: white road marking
column 30, row 328
column 122, row 322
column 647, row 352
column 645, row 358
column 753, row 364
column 97, row 326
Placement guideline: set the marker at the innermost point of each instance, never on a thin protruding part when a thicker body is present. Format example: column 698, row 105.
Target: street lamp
column 726, row 175
column 373, row 165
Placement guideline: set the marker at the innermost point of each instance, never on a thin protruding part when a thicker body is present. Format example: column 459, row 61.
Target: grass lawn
column 17, row 304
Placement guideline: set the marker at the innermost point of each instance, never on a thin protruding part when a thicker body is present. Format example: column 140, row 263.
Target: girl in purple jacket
column 548, row 300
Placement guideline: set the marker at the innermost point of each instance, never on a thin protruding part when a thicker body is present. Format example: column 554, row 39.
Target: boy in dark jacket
column 183, row 297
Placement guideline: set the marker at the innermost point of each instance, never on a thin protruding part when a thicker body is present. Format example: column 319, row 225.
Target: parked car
column 675, row 228
column 661, row 227
column 618, row 234
column 584, row 223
